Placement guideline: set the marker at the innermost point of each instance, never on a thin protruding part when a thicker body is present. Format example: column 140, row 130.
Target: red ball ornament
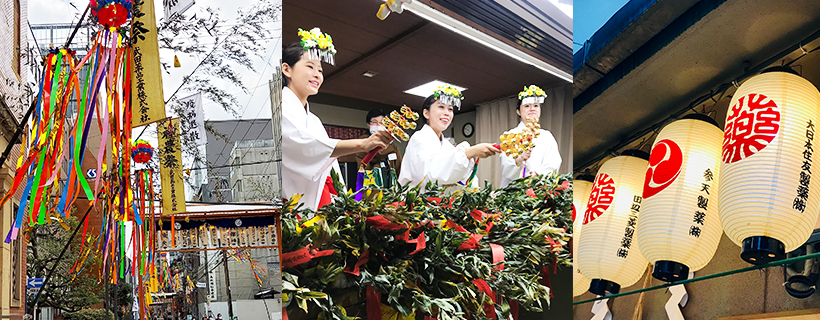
column 111, row 13
column 142, row 151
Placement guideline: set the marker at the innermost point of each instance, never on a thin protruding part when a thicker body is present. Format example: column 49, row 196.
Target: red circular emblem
column 752, row 124
column 600, row 197
column 665, row 164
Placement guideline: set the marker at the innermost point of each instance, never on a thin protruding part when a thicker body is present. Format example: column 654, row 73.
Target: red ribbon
column 471, row 243
column 284, row 313
column 439, row 201
column 374, row 304
column 553, row 244
column 498, row 255
column 545, row 278
column 531, row 193
column 326, row 192
column 514, row 309
column 420, row 242
column 563, row 185
column 362, row 260
column 381, row 223
column 295, row 258
column 478, row 214
column 489, row 309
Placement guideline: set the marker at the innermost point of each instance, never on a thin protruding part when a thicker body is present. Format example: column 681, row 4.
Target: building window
column 16, row 60
column 16, row 268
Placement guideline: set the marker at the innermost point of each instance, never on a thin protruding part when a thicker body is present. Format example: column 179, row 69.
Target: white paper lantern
column 581, row 186
column 607, row 251
column 680, row 226
column 768, row 201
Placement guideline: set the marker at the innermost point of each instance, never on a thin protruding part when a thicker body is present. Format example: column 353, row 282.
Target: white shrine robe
column 428, row 158
column 544, row 157
column 306, row 150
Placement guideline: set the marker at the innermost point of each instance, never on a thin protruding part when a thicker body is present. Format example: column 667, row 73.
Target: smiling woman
column 308, row 154
column 431, row 158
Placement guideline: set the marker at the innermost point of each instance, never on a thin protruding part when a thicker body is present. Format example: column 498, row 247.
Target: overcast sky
column 254, row 104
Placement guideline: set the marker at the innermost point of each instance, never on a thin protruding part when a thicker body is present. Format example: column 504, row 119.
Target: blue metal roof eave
column 640, row 55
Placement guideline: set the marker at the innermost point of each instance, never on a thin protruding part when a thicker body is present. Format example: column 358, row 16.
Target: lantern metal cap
column 670, row 271
column 780, row 69
column 636, row 153
column 701, row 117
column 601, row 287
column 761, row 250
column 585, row 177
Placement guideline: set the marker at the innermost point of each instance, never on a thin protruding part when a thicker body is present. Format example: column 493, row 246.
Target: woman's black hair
column 291, row 55
column 427, row 103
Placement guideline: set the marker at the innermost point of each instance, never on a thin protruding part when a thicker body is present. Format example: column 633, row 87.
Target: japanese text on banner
column 170, row 167
column 147, row 97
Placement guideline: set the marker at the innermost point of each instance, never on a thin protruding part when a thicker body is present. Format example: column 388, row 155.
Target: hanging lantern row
column 581, row 187
column 607, row 253
column 753, row 182
column 679, row 230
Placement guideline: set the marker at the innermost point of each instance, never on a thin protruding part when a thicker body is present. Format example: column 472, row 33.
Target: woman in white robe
column 428, row 157
column 308, row 154
column 544, row 157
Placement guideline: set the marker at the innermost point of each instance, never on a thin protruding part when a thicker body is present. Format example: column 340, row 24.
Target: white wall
column 339, row 116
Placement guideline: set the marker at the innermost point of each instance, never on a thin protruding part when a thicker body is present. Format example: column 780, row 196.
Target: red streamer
column 489, row 309
column 362, row 260
column 498, row 255
column 420, row 242
column 374, row 304
column 381, row 223
column 295, row 258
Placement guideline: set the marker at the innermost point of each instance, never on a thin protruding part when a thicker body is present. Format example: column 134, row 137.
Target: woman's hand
column 481, row 150
column 376, row 140
column 523, row 157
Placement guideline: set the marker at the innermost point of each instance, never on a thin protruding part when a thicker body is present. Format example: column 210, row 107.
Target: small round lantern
column 142, row 151
column 581, row 186
column 768, row 200
column 680, row 226
column 607, row 251
column 111, row 13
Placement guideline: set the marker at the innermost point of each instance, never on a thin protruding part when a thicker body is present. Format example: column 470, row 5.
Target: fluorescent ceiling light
column 427, row 89
column 438, row 17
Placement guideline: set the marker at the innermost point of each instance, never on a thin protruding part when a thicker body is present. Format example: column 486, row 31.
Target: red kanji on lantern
column 665, row 164
column 600, row 198
column 752, row 124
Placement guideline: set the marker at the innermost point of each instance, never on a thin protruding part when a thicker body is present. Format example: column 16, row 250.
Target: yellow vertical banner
column 170, row 166
column 147, row 101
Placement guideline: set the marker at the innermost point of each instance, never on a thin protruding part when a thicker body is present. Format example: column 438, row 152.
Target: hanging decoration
column 607, row 253
column 243, row 256
column 680, row 228
column 142, row 151
column 581, row 188
column 111, row 13
column 52, row 139
column 767, row 198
